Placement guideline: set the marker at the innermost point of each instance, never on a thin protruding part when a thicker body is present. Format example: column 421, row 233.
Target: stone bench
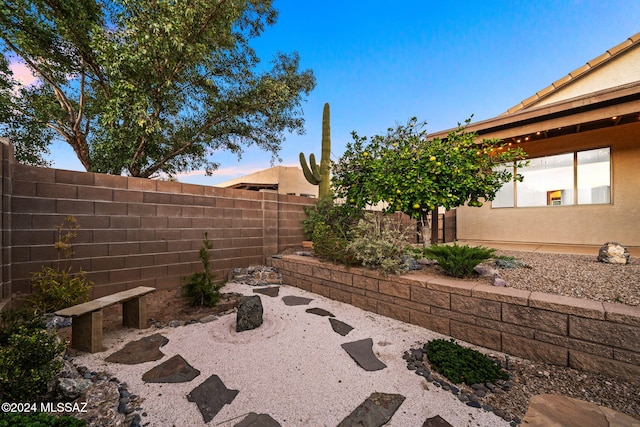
column 86, row 327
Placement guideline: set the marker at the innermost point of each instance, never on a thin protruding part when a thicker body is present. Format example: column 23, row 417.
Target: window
column 581, row 177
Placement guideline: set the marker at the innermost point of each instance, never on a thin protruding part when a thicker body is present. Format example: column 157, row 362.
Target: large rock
column 249, row 313
column 68, row 389
column 613, row 253
column 101, row 404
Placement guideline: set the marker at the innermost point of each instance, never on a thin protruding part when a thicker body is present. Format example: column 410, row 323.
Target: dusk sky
column 380, row 63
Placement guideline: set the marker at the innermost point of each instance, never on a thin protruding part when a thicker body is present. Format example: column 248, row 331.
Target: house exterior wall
column 617, row 71
column 578, row 224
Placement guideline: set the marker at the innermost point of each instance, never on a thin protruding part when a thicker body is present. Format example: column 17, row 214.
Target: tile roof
column 579, row 72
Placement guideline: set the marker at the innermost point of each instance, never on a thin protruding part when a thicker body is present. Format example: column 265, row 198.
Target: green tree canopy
column 413, row 174
column 148, row 86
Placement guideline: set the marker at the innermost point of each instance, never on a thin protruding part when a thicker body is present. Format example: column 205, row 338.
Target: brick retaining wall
column 582, row 334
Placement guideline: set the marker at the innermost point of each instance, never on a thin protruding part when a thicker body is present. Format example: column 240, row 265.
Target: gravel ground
column 578, row 276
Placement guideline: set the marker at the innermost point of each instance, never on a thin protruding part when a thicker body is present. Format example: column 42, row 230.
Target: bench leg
column 134, row 313
column 86, row 332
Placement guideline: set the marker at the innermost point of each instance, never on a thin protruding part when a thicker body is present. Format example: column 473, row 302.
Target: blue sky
column 379, row 63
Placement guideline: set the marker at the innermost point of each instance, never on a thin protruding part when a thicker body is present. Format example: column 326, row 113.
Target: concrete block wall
column 583, row 334
column 136, row 231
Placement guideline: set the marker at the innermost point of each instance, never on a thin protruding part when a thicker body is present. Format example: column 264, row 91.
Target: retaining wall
column 582, row 334
column 135, row 231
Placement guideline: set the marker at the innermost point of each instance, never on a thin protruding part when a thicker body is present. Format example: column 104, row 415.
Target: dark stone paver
column 340, row 327
column 174, row 370
column 319, row 312
column 258, row 420
column 436, row 421
column 375, row 411
column 211, row 396
column 362, row 352
column 271, row 291
column 293, row 300
column 146, row 349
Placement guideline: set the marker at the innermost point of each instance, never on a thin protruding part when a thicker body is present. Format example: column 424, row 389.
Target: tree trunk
column 434, row 226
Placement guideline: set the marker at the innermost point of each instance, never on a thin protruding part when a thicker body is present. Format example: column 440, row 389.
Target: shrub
column 380, row 242
column 55, row 289
column 200, row 288
column 28, row 361
column 38, row 419
column 462, row 365
column 458, row 261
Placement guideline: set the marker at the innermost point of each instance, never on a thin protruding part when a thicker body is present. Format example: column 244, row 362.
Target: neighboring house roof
column 581, row 72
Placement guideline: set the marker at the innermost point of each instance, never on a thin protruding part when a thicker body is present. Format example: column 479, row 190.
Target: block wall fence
column 135, row 231
column 583, row 334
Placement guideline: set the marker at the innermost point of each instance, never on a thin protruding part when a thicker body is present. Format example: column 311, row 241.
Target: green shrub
column 331, row 247
column 200, row 288
column 462, row 365
column 28, row 361
column 38, row 419
column 57, row 288
column 458, row 261
column 380, row 242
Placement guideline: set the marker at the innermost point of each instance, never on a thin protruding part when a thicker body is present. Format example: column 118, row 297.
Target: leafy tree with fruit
column 410, row 173
column 147, row 86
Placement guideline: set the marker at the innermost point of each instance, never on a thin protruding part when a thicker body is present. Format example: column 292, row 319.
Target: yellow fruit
column 416, row 206
column 432, row 158
column 398, row 192
column 352, row 201
column 438, row 163
column 365, row 154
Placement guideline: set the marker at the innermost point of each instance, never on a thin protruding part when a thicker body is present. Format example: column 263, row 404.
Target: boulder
column 68, row 389
column 249, row 313
column 613, row 253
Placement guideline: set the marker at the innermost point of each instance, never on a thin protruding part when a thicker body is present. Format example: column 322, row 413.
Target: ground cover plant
column 462, row 365
column 38, row 419
column 458, row 261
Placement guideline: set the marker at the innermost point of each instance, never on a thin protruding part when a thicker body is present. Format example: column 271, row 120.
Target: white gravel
column 292, row 368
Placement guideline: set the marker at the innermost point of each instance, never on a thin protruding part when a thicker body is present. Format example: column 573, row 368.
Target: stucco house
column 282, row 179
column 582, row 138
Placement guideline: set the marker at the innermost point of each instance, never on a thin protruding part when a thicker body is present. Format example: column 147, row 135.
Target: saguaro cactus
column 320, row 175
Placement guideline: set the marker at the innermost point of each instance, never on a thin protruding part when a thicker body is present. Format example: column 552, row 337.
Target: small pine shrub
column 57, row 288
column 456, row 260
column 329, row 246
column 28, row 361
column 38, row 419
column 200, row 288
column 380, row 242
column 462, row 365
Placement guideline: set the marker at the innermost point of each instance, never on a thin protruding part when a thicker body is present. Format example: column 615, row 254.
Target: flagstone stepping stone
column 294, row 300
column 319, row 312
column 174, row 370
column 146, row 349
column 362, row 352
column 375, row 411
column 340, row 327
column 436, row 421
column 271, row 291
column 211, row 396
column 258, row 420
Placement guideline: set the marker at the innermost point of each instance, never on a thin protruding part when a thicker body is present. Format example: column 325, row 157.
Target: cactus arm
column 311, row 174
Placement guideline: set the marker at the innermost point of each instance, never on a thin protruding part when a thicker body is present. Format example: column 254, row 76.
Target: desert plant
column 462, row 365
column 331, row 246
column 28, row 361
column 456, row 260
column 200, row 288
column 380, row 242
column 320, row 175
column 57, row 288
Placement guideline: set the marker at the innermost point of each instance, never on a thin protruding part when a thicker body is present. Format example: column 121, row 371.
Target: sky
column 380, row 63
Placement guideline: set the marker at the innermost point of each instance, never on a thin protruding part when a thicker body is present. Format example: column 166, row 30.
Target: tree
column 150, row 86
column 412, row 174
